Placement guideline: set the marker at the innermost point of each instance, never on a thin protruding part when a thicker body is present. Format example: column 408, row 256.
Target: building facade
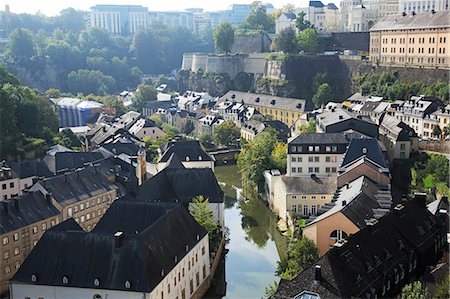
column 119, row 19
column 412, row 40
column 9, row 182
column 409, row 6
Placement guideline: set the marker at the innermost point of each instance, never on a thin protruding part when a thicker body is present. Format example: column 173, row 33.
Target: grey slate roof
column 425, row 20
column 297, row 105
column 181, row 184
column 360, row 147
column 192, row 149
column 152, row 237
column 61, row 161
column 24, row 210
column 396, row 129
column 77, row 185
column 308, row 185
column 320, row 138
column 316, row 4
column 30, row 168
column 290, row 15
column 340, row 120
column 367, row 260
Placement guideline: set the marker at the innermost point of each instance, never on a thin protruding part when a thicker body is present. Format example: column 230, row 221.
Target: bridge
column 224, row 155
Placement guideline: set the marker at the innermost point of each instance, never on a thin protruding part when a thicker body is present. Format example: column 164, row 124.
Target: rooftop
column 425, row 20
column 191, row 150
column 309, row 185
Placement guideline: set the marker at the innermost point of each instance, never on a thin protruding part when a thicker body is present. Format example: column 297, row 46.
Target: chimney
column 66, row 177
column 5, row 206
column 16, row 202
column 403, row 14
column 413, row 13
column 48, row 197
column 433, row 11
column 344, row 202
column 118, row 239
column 421, row 198
column 341, row 117
column 318, row 273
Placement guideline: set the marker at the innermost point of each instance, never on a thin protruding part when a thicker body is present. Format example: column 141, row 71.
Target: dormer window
column 33, row 277
column 199, row 158
column 187, row 159
column 127, row 284
column 96, row 282
column 65, row 280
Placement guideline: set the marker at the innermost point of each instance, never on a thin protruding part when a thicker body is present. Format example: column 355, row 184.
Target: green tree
column 308, row 40
column 144, row 93
column 206, row 139
column 21, row 45
column 259, row 19
column 256, row 157
column 285, row 41
column 158, row 119
column 223, row 37
column 53, row 93
column 414, row 290
column 309, row 127
column 437, row 131
column 442, row 290
column 227, row 133
column 89, row 81
column 271, row 289
column 301, row 23
column 67, row 138
column 279, row 156
column 204, row 216
column 301, row 254
column 323, row 95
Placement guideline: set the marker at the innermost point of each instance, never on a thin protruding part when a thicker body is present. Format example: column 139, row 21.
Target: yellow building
column 412, row 40
column 286, row 110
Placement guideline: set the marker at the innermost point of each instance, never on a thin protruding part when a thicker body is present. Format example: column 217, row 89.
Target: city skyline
column 51, row 8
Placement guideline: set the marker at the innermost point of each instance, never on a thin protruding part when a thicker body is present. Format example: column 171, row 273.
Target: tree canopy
column 224, row 37
column 144, row 93
column 285, row 41
column 323, row 95
column 259, row 19
column 227, row 133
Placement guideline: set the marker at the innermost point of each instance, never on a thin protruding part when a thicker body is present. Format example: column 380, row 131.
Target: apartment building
column 119, row 19
column 84, row 194
column 399, row 139
column 439, row 118
column 417, row 6
column 9, row 181
column 170, row 253
column 286, row 110
column 173, row 18
column 317, row 154
column 325, row 18
column 415, row 111
column 356, row 17
column 412, row 40
column 23, row 221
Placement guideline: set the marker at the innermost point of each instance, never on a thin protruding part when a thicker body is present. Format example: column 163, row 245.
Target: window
column 204, row 272
column 5, row 240
column 294, row 169
column 189, row 265
column 69, row 212
column 310, row 148
column 16, row 236
column 4, row 186
column 35, row 229
column 52, row 223
column 327, row 169
column 303, row 196
column 294, row 208
column 203, row 250
column 197, row 276
column 82, row 207
column 338, row 235
column 328, row 148
column 334, row 148
column 182, row 271
column 191, row 286
column 82, row 219
column 310, row 169
column 333, row 169
column 6, row 255
column 293, row 159
column 299, row 159
column 333, row 159
column 310, row 159
column 44, row 226
column 327, row 159
column 305, row 210
column 313, row 209
column 316, row 169
column 299, row 170
column 11, row 185
column 17, row 265
column 7, row 269
column 316, row 159
column 16, row 251
column 168, row 288
column 313, row 197
column 175, row 281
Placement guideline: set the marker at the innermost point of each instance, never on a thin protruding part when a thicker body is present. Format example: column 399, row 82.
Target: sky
column 53, row 7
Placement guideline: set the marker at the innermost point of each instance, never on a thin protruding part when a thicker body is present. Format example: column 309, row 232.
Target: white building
column 285, row 20
column 119, row 19
column 145, row 127
column 422, row 5
column 169, row 250
column 173, row 18
column 324, row 17
column 356, row 17
column 316, row 154
column 9, row 182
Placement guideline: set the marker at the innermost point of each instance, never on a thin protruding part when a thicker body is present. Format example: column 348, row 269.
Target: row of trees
column 388, row 85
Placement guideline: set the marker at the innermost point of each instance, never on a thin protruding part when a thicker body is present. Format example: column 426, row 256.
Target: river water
column 254, row 243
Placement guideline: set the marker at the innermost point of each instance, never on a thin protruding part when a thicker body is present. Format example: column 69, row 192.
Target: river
column 254, row 243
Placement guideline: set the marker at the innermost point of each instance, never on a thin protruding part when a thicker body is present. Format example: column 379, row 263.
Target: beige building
column 9, row 182
column 399, row 139
column 354, row 207
column 146, row 128
column 23, row 220
column 286, row 110
column 84, row 195
column 412, row 40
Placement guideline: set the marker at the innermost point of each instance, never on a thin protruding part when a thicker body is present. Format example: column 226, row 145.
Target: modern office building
column 119, row 19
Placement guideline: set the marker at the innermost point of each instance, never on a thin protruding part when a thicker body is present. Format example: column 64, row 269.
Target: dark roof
column 77, row 185
column 339, row 120
column 60, row 162
column 178, row 184
column 331, row 6
column 320, row 138
column 316, row 4
column 425, row 20
column 24, row 210
column 30, row 168
column 174, row 163
column 155, row 105
column 123, row 146
column 396, row 129
column 370, row 256
column 309, row 185
column 192, row 149
column 152, row 242
column 360, row 147
column 290, row 15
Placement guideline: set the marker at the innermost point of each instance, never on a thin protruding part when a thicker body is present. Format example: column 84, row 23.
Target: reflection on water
column 255, row 244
